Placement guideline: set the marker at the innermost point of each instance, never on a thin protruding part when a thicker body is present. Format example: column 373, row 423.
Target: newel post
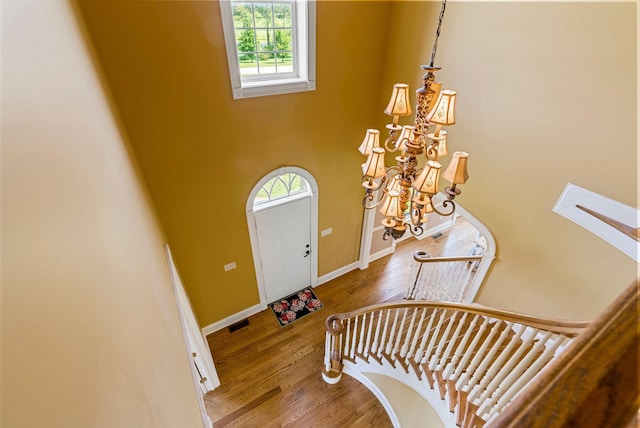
column 332, row 370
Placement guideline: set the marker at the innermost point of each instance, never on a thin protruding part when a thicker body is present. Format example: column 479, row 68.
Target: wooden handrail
column 569, row 328
column 630, row 231
column 423, row 257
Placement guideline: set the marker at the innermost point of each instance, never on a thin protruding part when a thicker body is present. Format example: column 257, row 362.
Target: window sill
column 273, row 87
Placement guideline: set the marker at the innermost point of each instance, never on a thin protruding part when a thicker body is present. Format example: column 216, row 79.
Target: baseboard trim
column 226, row 322
column 437, row 229
column 380, row 254
column 336, row 273
column 211, row 328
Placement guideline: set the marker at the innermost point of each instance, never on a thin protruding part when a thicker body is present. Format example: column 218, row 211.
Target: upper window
column 264, row 39
column 270, row 46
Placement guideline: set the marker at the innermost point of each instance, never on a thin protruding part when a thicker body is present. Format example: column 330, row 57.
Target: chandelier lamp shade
column 403, row 192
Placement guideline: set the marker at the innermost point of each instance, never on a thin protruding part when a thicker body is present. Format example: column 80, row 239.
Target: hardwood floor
column 271, row 376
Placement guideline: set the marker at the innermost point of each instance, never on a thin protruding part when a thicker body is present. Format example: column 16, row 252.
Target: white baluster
column 418, row 333
column 457, row 282
column 476, row 358
column 436, row 272
column 443, row 281
column 465, row 281
column 367, row 345
column 450, row 369
column 383, row 338
column 347, row 348
column 405, row 344
column 392, row 334
column 444, row 340
column 497, row 363
column 504, row 368
column 448, row 281
column 425, row 337
column 427, row 284
column 354, row 335
column 376, row 337
column 516, row 380
column 481, row 369
column 452, row 341
column 434, row 337
column 327, row 351
column 400, row 334
column 363, row 327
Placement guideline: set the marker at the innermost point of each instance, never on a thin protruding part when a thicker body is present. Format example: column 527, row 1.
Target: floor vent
column 237, row 326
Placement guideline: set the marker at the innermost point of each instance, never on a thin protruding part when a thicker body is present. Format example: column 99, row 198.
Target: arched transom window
column 281, row 188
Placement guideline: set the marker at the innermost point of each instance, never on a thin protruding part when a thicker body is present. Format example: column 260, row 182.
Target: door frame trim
column 253, row 233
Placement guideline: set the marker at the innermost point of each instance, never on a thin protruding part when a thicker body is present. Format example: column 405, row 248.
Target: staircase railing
column 452, row 278
column 445, row 279
column 473, row 360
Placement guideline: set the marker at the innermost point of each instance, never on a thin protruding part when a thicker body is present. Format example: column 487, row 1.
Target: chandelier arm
column 413, row 209
column 393, row 147
column 416, row 230
column 445, row 203
column 387, row 234
column 369, row 194
column 432, row 152
column 369, row 197
column 393, row 168
column 392, row 172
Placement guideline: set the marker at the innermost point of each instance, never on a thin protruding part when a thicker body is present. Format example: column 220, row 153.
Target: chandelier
column 407, row 191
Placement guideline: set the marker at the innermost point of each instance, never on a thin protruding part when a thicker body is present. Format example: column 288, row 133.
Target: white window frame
column 305, row 52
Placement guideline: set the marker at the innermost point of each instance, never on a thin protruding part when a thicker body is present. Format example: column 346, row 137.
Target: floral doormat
column 295, row 306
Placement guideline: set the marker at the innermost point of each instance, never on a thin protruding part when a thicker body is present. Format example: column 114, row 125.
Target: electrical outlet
column 229, row 266
column 326, row 232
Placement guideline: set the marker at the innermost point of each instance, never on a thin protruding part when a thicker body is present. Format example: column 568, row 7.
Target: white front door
column 284, row 238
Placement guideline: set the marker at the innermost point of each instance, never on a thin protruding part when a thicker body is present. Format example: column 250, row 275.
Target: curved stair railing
column 468, row 361
column 594, row 384
column 446, row 279
column 452, row 278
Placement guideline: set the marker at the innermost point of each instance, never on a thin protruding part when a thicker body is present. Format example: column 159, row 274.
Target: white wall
column 90, row 331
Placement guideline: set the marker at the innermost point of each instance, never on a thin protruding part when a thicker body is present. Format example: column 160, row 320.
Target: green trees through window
column 280, row 187
column 271, row 46
column 264, row 37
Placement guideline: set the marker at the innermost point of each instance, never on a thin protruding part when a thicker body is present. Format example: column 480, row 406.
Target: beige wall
column 90, row 331
column 546, row 95
column 202, row 152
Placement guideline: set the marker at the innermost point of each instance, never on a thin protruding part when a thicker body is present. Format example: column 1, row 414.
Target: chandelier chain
column 435, row 42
